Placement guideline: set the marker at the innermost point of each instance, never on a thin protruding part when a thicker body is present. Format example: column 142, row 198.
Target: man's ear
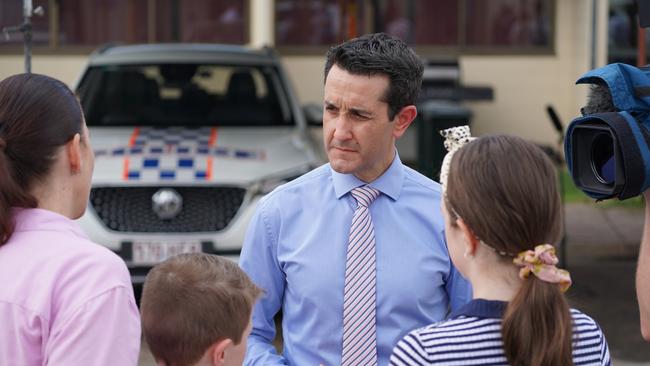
column 73, row 151
column 218, row 352
column 471, row 241
column 403, row 120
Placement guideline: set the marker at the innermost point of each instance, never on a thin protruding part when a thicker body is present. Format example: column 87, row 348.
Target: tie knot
column 365, row 195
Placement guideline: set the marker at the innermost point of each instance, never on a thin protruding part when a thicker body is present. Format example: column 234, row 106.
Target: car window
column 183, row 94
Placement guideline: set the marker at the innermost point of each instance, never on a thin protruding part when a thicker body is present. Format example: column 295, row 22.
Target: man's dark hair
column 381, row 54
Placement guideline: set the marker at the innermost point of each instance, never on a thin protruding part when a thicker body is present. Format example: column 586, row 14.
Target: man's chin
column 342, row 167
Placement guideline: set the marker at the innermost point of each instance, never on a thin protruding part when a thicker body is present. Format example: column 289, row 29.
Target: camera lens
column 602, row 158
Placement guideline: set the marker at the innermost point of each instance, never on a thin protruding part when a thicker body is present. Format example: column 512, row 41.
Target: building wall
column 523, row 85
column 65, row 68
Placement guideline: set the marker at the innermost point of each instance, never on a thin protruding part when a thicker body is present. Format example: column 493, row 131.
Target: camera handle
column 559, row 128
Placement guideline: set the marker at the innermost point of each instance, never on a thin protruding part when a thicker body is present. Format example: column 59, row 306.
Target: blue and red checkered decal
column 174, row 153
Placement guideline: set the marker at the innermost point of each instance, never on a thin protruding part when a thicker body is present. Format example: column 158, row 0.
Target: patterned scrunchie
column 541, row 263
column 455, row 138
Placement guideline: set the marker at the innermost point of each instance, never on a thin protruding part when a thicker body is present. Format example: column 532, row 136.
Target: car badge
column 166, row 203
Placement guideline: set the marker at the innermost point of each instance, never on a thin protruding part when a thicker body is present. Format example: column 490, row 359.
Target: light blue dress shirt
column 295, row 249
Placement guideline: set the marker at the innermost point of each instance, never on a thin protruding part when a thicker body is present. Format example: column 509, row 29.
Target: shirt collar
column 390, row 183
column 37, row 219
column 481, row 308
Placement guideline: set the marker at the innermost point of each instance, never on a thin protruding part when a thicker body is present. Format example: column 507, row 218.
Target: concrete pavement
column 596, row 230
column 602, row 248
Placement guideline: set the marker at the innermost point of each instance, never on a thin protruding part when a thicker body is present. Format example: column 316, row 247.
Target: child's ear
column 471, row 241
column 218, row 353
column 73, row 151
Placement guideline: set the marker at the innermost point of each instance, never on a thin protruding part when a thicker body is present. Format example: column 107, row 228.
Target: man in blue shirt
column 302, row 247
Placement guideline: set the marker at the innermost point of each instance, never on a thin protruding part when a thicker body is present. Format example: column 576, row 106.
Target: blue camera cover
column 630, row 90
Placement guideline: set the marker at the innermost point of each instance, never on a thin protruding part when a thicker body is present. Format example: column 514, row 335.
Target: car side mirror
column 313, row 114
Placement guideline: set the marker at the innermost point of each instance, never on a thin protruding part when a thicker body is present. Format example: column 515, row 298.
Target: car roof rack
column 269, row 50
column 105, row 47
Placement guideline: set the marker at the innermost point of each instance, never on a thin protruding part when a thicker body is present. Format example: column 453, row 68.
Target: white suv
column 187, row 139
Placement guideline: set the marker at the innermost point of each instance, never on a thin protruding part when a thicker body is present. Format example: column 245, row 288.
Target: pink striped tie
column 359, row 297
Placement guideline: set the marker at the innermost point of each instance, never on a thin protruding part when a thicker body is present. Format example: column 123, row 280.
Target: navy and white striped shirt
column 472, row 336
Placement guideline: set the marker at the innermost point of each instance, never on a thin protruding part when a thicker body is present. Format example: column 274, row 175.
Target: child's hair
column 191, row 301
column 38, row 115
column 505, row 189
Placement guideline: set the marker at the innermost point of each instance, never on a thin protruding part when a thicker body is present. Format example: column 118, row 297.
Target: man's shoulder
column 305, row 183
column 314, row 176
column 418, row 180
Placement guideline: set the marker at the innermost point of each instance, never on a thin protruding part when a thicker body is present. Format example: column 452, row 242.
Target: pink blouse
column 64, row 300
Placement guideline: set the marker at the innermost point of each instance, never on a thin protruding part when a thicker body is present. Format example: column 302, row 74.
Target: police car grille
column 129, row 209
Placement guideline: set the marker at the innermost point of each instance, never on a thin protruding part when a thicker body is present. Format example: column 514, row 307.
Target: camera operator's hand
column 643, row 272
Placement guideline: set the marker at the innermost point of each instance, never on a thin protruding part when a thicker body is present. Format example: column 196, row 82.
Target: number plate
column 153, row 252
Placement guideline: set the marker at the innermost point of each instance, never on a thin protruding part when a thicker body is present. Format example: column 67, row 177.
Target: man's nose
column 342, row 128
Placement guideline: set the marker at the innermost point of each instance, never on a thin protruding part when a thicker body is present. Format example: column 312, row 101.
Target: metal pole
column 557, row 124
column 594, row 26
column 564, row 260
column 27, row 34
column 26, row 30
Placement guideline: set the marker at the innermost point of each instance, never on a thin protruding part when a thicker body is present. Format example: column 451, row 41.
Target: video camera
column 608, row 149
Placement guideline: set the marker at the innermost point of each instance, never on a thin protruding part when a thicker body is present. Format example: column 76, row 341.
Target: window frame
column 435, row 51
column 54, row 48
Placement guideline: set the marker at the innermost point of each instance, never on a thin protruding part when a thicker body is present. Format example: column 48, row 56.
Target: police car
column 187, row 139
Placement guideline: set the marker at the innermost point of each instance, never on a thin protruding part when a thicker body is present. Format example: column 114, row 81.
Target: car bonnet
column 138, row 156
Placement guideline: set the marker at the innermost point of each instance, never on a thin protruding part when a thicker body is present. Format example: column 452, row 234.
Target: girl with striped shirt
column 502, row 210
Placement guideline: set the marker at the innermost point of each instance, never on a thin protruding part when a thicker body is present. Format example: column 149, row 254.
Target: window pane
column 212, row 21
column 317, row 22
column 523, row 23
column 11, row 14
column 167, row 28
column 623, row 36
column 95, row 22
column 420, row 22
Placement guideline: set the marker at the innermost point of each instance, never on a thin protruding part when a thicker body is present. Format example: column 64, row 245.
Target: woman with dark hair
column 63, row 300
column 502, row 213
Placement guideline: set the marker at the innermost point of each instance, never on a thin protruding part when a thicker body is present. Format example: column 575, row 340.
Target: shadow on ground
column 604, row 289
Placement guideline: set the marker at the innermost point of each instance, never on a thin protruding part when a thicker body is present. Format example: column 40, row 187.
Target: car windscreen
column 184, row 94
